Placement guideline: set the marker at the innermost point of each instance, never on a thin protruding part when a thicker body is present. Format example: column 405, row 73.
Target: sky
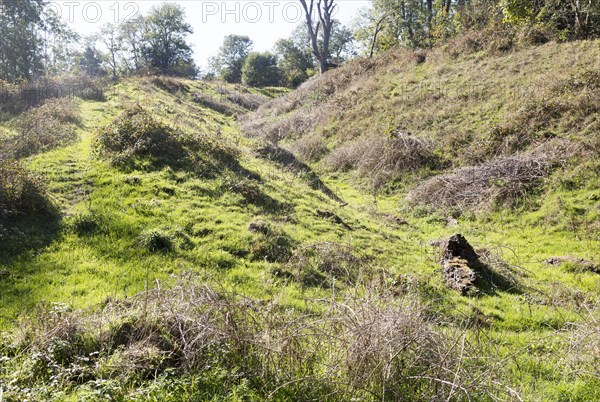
column 264, row 21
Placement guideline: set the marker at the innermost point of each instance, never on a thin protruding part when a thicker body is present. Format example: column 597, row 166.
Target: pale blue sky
column 263, row 21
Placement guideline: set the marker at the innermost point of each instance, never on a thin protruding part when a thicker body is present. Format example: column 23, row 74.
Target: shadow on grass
column 490, row 281
column 30, row 233
column 288, row 160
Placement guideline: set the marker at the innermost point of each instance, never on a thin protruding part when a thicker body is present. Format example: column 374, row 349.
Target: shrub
column 383, row 159
column 245, row 99
column 310, row 148
column 136, row 134
column 21, row 193
column 260, row 69
column 500, row 181
column 363, row 348
column 320, row 264
column 214, row 103
column 43, row 128
column 136, row 139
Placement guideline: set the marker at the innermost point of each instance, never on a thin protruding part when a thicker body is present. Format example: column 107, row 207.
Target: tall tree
column 91, row 61
column 58, row 39
column 230, row 60
column 319, row 21
column 295, row 61
column 131, row 33
column 164, row 43
column 21, row 46
column 109, row 36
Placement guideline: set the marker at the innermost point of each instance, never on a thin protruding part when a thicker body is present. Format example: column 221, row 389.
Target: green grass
column 102, row 249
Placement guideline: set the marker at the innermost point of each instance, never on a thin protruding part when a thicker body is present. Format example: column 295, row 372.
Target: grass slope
column 126, row 230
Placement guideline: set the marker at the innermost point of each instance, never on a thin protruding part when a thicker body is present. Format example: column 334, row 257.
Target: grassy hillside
column 173, row 256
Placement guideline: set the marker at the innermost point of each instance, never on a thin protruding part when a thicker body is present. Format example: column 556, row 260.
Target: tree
column 33, row 41
column 111, row 40
column 230, row 60
column 21, row 48
column 295, row 61
column 164, row 41
column 341, row 45
column 91, row 62
column 368, row 28
column 296, row 58
column 260, row 69
column 59, row 54
column 131, row 34
column 577, row 18
column 322, row 26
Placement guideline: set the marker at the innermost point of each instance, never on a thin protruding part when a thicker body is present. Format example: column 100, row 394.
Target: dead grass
column 498, row 97
column 363, row 347
column 310, row 148
column 503, row 181
column 383, row 159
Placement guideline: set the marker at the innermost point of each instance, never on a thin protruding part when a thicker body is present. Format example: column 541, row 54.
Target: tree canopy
column 230, row 60
column 260, row 69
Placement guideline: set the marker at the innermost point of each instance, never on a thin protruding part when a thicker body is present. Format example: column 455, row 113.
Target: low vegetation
column 42, row 128
column 368, row 237
column 416, row 100
column 21, row 193
column 382, row 350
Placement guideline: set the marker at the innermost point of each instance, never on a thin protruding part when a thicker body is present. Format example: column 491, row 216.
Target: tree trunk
column 429, row 16
column 375, row 34
column 325, row 9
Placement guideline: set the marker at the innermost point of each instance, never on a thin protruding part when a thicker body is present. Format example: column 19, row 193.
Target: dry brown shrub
column 500, row 181
column 309, row 148
column 383, row 159
column 246, row 99
column 51, row 125
column 276, row 128
column 367, row 347
column 583, row 355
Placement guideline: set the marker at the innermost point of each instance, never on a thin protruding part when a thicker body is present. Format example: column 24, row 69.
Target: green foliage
column 229, row 62
column 567, row 19
column 294, row 60
column 34, row 40
column 91, row 62
column 426, row 23
column 260, row 70
column 164, row 45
